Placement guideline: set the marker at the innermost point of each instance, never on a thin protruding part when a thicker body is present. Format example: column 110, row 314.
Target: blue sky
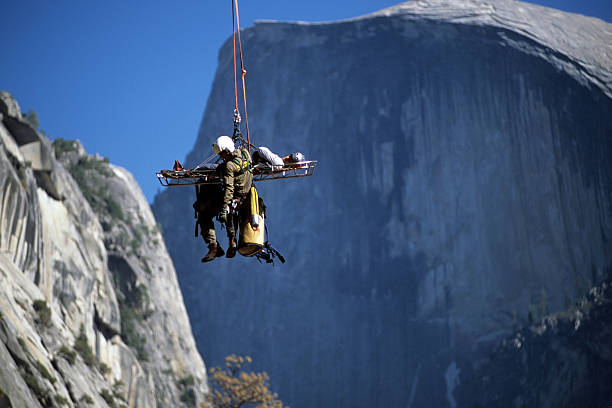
column 130, row 79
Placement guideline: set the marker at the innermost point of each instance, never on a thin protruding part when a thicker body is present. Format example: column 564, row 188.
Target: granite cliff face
column 90, row 309
column 563, row 360
column 465, row 177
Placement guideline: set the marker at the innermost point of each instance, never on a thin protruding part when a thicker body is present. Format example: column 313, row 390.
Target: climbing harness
column 243, row 163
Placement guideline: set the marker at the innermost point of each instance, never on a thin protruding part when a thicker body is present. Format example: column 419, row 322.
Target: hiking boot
column 214, row 251
column 220, row 251
column 231, row 249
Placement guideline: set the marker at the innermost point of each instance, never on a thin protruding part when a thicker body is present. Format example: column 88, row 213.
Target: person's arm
column 228, row 184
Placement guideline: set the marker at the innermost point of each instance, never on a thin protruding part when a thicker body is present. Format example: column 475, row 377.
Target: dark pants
column 233, row 220
column 207, row 206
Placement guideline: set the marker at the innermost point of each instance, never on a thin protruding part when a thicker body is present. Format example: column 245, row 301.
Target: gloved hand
column 222, row 217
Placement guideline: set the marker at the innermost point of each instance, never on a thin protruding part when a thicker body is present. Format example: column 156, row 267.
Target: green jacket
column 236, row 175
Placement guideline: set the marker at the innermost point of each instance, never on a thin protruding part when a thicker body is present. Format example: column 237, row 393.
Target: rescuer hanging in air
column 236, row 178
column 226, row 189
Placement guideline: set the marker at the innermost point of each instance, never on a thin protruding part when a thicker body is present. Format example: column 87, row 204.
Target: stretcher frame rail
column 199, row 176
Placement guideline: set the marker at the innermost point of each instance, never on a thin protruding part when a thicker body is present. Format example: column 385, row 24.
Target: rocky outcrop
column 464, row 175
column 90, row 309
column 574, row 44
column 564, row 360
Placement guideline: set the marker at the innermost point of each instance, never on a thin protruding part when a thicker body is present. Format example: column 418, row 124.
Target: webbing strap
column 243, row 164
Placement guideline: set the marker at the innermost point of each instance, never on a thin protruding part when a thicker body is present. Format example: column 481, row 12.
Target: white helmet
column 223, row 143
column 297, row 157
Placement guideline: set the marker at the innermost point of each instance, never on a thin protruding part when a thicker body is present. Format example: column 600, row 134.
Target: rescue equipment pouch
column 252, row 228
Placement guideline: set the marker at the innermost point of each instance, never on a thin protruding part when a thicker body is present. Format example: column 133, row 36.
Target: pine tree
column 234, row 388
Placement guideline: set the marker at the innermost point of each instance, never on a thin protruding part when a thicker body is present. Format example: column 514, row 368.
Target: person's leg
column 232, row 227
column 207, row 227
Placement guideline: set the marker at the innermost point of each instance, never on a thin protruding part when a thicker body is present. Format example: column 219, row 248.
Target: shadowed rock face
column 464, row 175
column 564, row 360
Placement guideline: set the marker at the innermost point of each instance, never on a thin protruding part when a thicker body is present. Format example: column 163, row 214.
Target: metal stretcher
column 261, row 172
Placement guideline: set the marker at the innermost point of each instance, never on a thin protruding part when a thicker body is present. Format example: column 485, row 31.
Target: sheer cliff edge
column 90, row 309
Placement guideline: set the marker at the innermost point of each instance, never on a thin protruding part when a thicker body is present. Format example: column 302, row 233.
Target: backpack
column 252, row 228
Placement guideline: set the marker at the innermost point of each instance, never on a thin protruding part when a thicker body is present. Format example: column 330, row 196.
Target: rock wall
column 464, row 176
column 90, row 310
column 562, row 360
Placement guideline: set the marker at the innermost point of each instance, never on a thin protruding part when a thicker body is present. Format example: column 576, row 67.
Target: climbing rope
column 236, row 114
column 237, row 119
column 237, row 135
column 208, row 160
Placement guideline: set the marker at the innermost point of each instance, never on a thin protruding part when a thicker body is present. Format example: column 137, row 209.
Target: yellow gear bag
column 252, row 229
